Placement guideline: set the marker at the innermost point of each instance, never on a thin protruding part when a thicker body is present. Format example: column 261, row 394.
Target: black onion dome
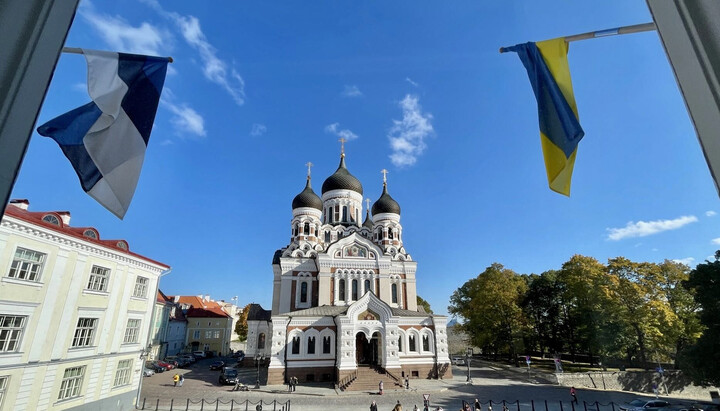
column 307, row 198
column 368, row 222
column 342, row 180
column 385, row 204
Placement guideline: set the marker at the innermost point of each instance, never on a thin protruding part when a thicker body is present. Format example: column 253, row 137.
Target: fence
column 545, row 405
column 212, row 405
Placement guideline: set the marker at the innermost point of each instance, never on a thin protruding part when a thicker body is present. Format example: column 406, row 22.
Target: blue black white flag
column 105, row 140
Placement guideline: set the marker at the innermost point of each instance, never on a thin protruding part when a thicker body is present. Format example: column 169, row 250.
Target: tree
column 424, row 304
column 241, row 327
column 542, row 306
column 490, row 305
column 701, row 360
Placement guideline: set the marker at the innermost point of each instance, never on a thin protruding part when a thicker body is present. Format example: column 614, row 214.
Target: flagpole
column 76, row 50
column 637, row 28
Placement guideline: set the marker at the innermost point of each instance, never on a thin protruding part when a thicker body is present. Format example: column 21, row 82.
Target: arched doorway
column 367, row 352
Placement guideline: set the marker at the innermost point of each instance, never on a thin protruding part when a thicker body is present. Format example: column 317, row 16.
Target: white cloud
column 185, row 119
column 214, row 69
column 710, row 213
column 166, row 143
column 687, row 261
column 258, row 130
column 352, row 91
column 645, row 228
column 346, row 134
column 414, row 84
column 407, row 136
column 715, row 240
column 123, row 36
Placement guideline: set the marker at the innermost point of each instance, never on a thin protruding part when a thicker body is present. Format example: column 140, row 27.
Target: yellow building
column 75, row 312
column 209, row 327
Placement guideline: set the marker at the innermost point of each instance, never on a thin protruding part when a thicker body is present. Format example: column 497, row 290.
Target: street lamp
column 259, row 358
column 468, row 354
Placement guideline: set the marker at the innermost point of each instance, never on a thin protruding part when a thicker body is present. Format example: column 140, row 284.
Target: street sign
column 426, row 397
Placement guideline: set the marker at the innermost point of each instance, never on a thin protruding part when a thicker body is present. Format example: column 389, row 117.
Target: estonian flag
column 105, row 140
column 560, row 131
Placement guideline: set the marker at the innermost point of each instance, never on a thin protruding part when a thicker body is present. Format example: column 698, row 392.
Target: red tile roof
column 200, row 307
column 36, row 217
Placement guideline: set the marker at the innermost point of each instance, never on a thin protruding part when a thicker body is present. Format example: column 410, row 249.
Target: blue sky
column 260, row 88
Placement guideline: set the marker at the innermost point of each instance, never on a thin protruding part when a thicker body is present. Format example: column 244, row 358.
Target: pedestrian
column 182, row 380
column 380, row 386
column 398, row 406
column 289, row 383
column 407, row 383
column 478, row 407
column 415, row 408
column 176, row 378
column 373, row 406
column 573, row 395
column 295, row 383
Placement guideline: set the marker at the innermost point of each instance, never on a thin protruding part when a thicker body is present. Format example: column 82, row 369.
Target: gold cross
column 309, row 164
column 342, row 145
column 384, row 173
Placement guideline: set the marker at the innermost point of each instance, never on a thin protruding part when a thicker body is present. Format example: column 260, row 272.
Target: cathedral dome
column 368, row 222
column 307, row 198
column 342, row 180
column 385, row 204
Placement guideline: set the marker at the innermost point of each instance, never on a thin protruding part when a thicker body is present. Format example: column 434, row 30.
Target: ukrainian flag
column 560, row 131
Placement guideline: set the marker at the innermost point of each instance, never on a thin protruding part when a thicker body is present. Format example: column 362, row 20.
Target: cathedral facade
column 344, row 294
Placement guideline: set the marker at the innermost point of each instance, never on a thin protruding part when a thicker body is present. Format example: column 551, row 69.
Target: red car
column 165, row 365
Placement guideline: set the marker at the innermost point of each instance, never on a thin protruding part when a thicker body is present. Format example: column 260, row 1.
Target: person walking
column 573, row 395
column 380, row 387
column 477, row 405
column 373, row 406
column 181, row 381
column 176, row 378
column 407, row 383
column 415, row 408
column 398, row 406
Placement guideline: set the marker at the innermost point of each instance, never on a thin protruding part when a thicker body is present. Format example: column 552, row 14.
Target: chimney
column 65, row 215
column 176, row 299
column 20, row 203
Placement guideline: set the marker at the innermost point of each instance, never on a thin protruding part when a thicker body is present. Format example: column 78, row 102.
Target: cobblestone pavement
column 489, row 383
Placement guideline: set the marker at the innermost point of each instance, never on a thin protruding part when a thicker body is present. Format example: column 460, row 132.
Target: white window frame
column 3, row 387
column 85, row 332
column 24, row 267
column 196, row 334
column 10, row 333
column 132, row 331
column 72, row 381
column 123, row 373
column 140, row 290
column 99, row 279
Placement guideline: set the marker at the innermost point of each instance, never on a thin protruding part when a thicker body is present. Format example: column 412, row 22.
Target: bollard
column 232, row 404
column 171, row 404
column 546, row 407
column 157, row 404
column 247, row 403
column 532, row 404
column 143, row 406
column 613, row 405
column 518, row 405
column 597, row 406
column 202, row 404
column 274, row 405
column 585, row 405
column 561, row 406
column 187, row 405
column 217, row 404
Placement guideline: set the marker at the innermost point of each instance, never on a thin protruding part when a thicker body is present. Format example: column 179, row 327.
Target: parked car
column 238, row 353
column 199, row 354
column 153, row 366
column 148, row 372
column 644, row 405
column 706, row 406
column 217, row 365
column 458, row 360
column 188, row 357
column 165, row 365
column 228, row 376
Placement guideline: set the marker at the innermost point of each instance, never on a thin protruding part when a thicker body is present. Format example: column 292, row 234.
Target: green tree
column 542, row 306
column 241, row 327
column 701, row 360
column 424, row 304
column 490, row 305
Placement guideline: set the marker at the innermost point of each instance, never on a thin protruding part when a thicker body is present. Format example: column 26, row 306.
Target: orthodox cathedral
column 344, row 294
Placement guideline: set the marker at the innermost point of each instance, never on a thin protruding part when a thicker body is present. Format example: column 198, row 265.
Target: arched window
column 354, row 290
column 400, row 343
column 426, row 343
column 51, row 219
column 341, row 291
column 261, row 341
column 311, row 345
column 411, row 343
column 390, row 233
column 327, row 236
column 303, row 292
column 345, row 214
column 394, row 294
column 367, row 286
column 296, row 345
column 326, row 345
column 306, row 228
column 330, row 215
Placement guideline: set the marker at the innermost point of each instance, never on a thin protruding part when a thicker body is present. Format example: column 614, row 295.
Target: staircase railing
column 345, row 382
column 389, row 374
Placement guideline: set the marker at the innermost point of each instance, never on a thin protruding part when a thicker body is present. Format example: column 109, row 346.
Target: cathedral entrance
column 367, row 352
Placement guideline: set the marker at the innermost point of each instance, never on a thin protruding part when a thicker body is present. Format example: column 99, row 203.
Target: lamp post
column 468, row 354
column 259, row 358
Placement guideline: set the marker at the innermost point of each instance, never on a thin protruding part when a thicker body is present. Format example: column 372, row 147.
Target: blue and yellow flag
column 560, row 131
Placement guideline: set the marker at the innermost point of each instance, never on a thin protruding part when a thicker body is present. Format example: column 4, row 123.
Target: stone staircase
column 368, row 379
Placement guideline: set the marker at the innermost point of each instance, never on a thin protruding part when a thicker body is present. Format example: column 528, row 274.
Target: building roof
column 321, row 311
column 200, row 307
column 342, row 180
column 18, row 209
column 307, row 198
column 407, row 313
column 385, row 204
column 257, row 313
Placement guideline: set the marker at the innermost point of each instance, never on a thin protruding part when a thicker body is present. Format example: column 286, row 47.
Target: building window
column 306, row 229
column 49, row 218
column 3, row 388
column 426, row 343
column 98, row 279
column 71, row 383
column 90, row 234
column 132, row 331
column 84, row 332
column 141, row 285
column 216, row 334
column 354, row 290
column 367, row 286
column 337, row 212
column 296, row 345
column 303, row 292
column 11, row 330
column 345, row 214
column 326, row 345
column 208, row 334
column 341, row 291
column 261, row 341
column 27, row 265
column 327, row 236
column 311, row 345
column 411, row 343
column 196, row 334
column 400, row 343
column 394, row 294
column 122, row 374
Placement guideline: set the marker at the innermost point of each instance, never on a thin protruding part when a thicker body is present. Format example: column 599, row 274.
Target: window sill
column 83, row 348
column 94, row 292
column 136, row 298
column 68, row 400
column 22, row 282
